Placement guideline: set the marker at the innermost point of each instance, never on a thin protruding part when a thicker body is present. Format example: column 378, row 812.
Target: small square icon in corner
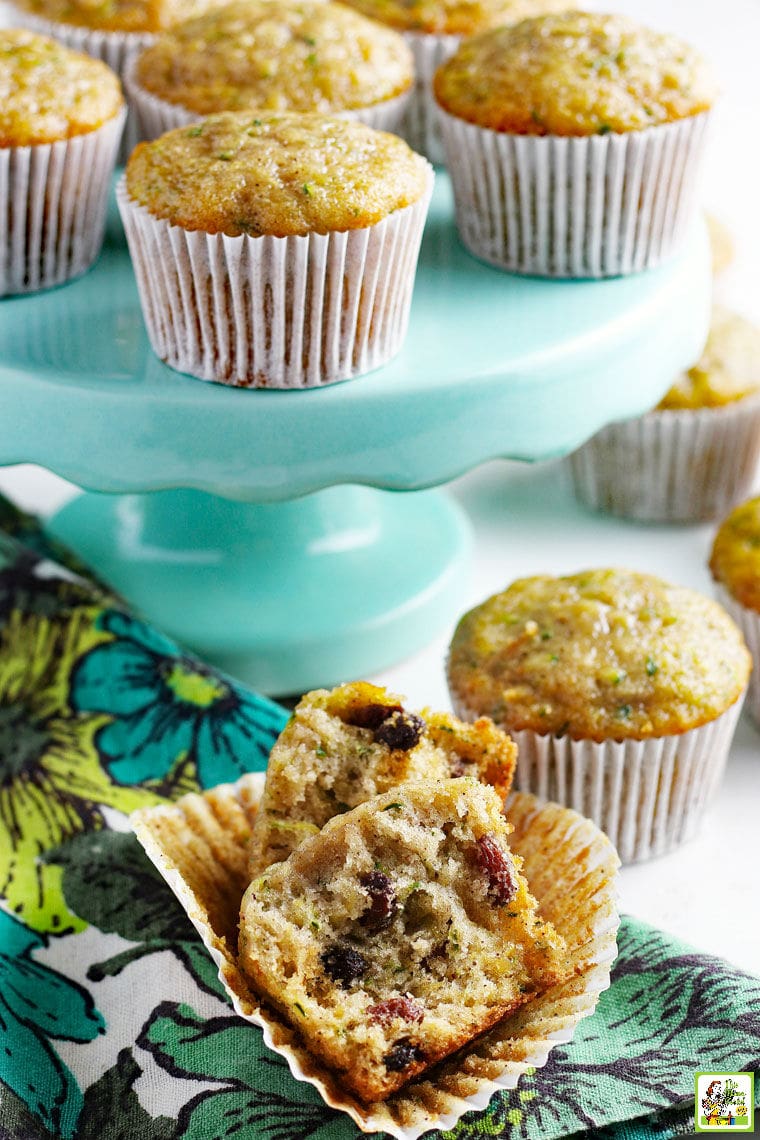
column 724, row 1100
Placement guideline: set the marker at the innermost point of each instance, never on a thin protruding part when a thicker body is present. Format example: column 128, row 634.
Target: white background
column 526, row 522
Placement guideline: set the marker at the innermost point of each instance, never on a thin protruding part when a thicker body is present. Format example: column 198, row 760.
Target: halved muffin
column 399, row 932
column 343, row 747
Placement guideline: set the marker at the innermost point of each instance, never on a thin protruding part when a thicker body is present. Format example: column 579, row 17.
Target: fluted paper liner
column 200, row 846
column 596, row 206
column 749, row 623
column 155, row 116
column 114, row 48
column 420, row 126
column 275, row 312
column 671, row 466
column 647, row 796
column 53, row 203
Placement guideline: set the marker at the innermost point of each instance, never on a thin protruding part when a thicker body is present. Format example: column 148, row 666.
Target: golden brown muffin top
column 117, row 15
column 574, row 73
column 293, row 55
column 727, row 371
column 601, row 655
column 735, row 558
column 275, row 174
column 48, row 92
column 453, row 17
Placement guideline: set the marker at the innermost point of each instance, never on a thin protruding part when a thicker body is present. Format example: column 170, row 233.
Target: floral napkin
column 113, row 1025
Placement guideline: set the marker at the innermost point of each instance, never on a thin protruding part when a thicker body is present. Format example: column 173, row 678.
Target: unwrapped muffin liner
column 155, row 116
column 200, row 846
column 420, row 126
column 647, row 796
column 114, row 48
column 53, row 203
column 596, row 206
column 748, row 622
column 671, row 466
column 275, row 312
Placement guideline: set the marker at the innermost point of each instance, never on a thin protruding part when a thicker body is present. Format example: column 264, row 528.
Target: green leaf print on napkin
column 108, row 882
column 52, row 784
column 38, row 1005
column 261, row 1097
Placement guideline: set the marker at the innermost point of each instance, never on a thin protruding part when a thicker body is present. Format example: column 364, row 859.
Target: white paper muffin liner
column 53, row 203
column 200, row 847
column 155, row 116
column 647, row 796
column 275, row 312
column 671, row 466
column 114, row 48
column 574, row 207
column 748, row 622
column 420, row 126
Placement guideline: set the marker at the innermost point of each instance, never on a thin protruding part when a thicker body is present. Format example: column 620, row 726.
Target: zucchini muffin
column 696, row 453
column 297, row 55
column 594, row 120
column 620, row 690
column 112, row 32
column 735, row 567
column 343, row 747
column 326, row 217
column 398, row 933
column 434, row 29
column 61, row 118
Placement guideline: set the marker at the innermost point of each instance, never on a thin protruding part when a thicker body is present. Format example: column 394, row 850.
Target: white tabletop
column 527, row 522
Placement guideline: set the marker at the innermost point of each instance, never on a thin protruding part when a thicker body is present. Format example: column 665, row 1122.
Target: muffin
column 61, row 118
column 111, row 32
column 277, row 250
column 620, row 691
column 343, row 747
column 434, row 29
column 722, row 246
column 735, row 566
column 300, row 55
column 574, row 142
column 399, row 933
column 696, row 453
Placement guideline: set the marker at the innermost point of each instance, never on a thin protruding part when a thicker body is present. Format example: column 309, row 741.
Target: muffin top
column 735, row 558
column 277, row 174
column 48, row 92
column 573, row 73
column 727, row 371
column 117, row 15
column 601, row 655
column 453, row 17
column 295, row 55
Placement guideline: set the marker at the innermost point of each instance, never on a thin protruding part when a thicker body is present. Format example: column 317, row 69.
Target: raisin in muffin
column 696, row 453
column 598, row 120
column 343, row 747
column 621, row 691
column 302, row 55
column 61, row 118
column 298, row 194
column 735, row 567
column 398, row 933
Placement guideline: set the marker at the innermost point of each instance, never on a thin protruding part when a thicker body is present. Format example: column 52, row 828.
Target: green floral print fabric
column 113, row 1024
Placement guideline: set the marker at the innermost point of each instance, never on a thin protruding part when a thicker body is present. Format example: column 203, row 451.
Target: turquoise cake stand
column 264, row 529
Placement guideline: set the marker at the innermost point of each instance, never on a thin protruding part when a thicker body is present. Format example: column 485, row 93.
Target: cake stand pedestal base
column 285, row 596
